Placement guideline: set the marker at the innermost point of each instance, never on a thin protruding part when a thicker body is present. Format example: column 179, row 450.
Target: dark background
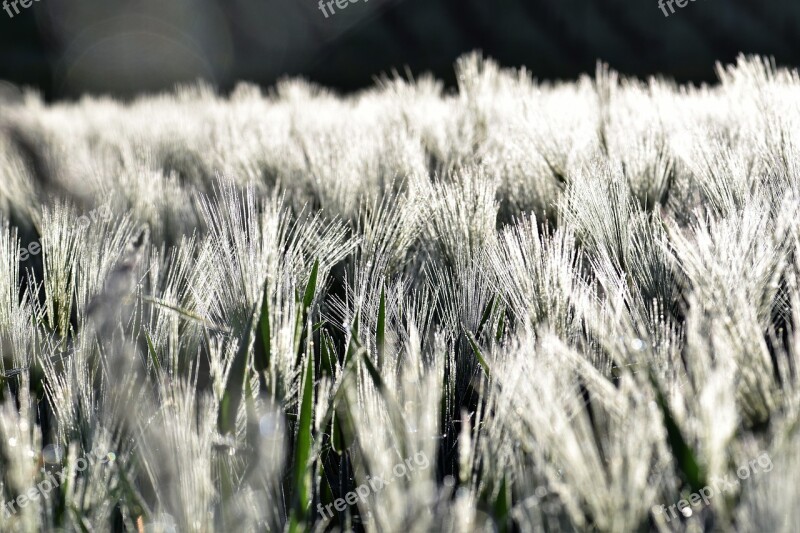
column 127, row 47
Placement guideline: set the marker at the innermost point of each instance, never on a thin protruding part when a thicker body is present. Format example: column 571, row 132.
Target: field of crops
column 516, row 306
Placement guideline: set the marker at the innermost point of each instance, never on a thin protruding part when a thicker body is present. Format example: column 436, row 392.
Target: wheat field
column 576, row 301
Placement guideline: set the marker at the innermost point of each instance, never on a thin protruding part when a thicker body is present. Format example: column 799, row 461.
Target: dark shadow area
column 125, row 48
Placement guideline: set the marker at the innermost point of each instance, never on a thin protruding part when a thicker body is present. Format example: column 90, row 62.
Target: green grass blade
column 501, row 325
column 307, row 300
column 301, row 470
column 395, row 413
column 342, row 432
column 263, row 351
column 501, row 508
column 151, row 350
column 487, row 313
column 478, row 353
column 682, row 453
column 375, row 375
column 352, row 345
column 232, row 397
column 311, row 288
column 327, row 354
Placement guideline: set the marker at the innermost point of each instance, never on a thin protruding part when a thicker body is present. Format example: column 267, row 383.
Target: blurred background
column 123, row 48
